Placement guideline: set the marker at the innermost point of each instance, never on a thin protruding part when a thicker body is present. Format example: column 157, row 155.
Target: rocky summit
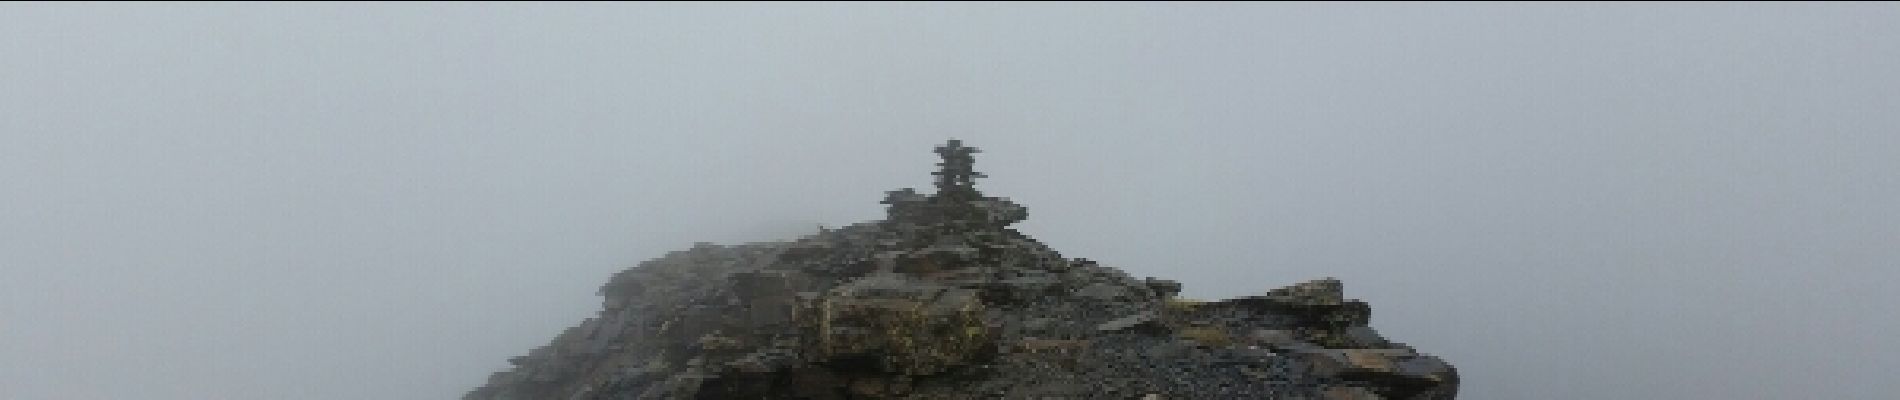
column 942, row 300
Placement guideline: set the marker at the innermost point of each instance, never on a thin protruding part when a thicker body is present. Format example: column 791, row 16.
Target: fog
column 387, row 201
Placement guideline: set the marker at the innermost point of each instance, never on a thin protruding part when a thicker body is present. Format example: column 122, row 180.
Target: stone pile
column 941, row 300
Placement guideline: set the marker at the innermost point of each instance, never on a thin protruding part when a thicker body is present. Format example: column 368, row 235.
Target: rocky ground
column 941, row 300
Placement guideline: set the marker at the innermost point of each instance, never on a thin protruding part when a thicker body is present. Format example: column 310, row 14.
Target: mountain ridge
column 941, row 300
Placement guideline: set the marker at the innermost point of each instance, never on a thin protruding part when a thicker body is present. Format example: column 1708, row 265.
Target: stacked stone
column 956, row 227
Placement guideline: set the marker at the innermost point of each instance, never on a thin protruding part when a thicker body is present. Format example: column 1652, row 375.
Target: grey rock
column 1125, row 323
column 1162, row 287
column 1102, row 292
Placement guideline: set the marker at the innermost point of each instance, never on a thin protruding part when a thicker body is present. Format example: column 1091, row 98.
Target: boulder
column 909, row 327
column 1163, row 288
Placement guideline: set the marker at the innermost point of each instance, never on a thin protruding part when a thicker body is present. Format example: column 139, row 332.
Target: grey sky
column 1568, row 201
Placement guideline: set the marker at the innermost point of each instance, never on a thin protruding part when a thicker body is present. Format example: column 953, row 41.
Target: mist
column 387, row 201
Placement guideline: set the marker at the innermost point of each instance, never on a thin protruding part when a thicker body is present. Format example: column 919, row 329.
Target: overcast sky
column 1567, row 201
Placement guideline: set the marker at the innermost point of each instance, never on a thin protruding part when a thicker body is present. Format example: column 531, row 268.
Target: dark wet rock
column 942, row 300
column 1162, row 287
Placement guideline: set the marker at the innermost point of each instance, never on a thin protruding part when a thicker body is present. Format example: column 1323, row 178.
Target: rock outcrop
column 941, row 300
